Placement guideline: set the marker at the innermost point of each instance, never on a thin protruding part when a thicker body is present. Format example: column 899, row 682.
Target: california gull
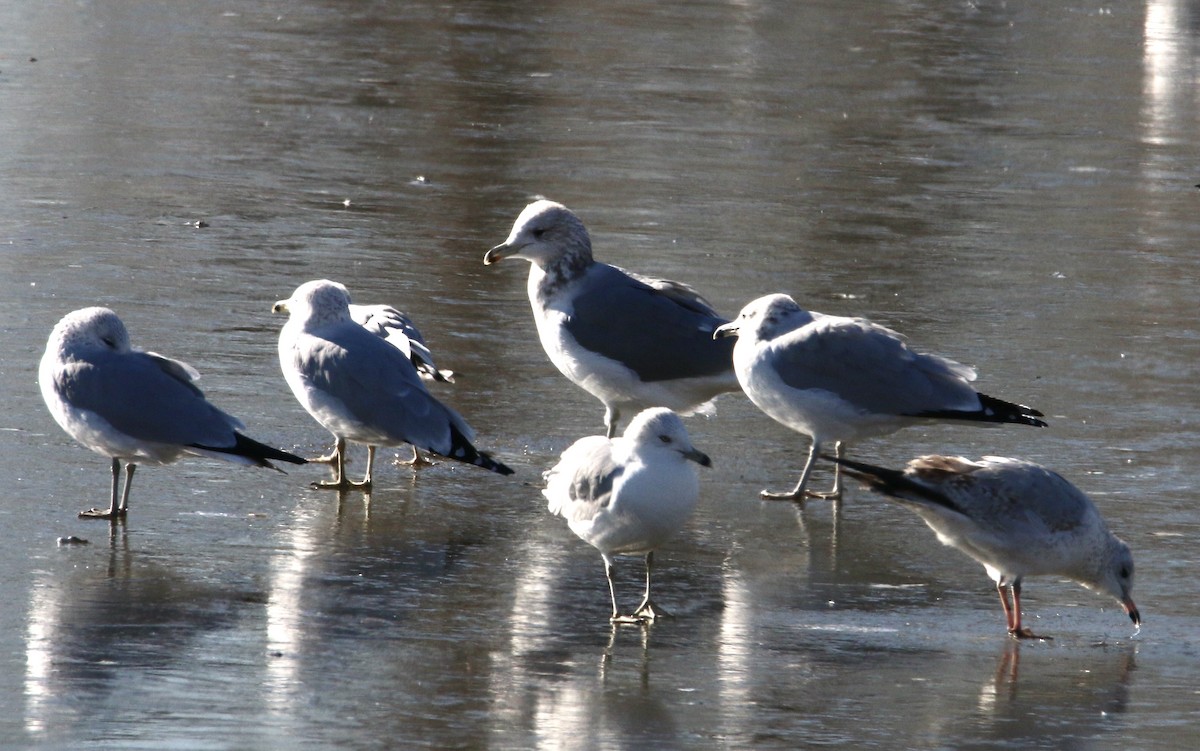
column 1015, row 517
column 133, row 406
column 361, row 388
column 628, row 495
column 629, row 341
column 844, row 379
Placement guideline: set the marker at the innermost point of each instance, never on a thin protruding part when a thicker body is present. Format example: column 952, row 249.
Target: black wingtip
column 891, row 482
column 462, row 450
column 877, row 478
column 992, row 410
column 260, row 453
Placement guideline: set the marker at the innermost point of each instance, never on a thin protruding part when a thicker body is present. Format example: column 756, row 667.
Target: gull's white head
column 544, row 234
column 766, row 318
column 318, row 301
column 1115, row 578
column 90, row 329
column 661, row 429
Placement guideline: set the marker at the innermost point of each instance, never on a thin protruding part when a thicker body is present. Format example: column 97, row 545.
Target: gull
column 360, row 387
column 1015, row 517
column 628, row 495
column 631, row 342
column 843, row 379
column 398, row 330
column 132, row 406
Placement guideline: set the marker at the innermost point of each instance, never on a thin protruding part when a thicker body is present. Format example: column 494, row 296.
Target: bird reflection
column 800, row 511
column 1097, row 682
column 91, row 630
column 286, row 630
column 642, row 635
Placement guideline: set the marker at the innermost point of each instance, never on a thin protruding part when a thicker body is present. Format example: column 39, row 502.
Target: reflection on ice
column 1170, row 71
column 285, row 629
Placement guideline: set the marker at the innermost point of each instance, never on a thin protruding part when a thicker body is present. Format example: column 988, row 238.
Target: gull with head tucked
column 133, row 406
column 1015, row 517
column 628, row 495
column 631, row 342
column 360, row 387
column 844, row 379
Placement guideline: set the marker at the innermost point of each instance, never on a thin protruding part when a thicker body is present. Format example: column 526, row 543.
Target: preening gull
column 631, row 342
column 1015, row 517
column 132, row 406
column 845, row 379
column 360, row 387
column 398, row 330
column 628, row 495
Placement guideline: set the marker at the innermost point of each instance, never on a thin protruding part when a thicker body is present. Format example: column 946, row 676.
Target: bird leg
column 114, row 511
column 648, row 610
column 798, row 493
column 834, row 493
column 366, row 481
column 611, row 416
column 1013, row 613
column 418, row 460
column 616, row 618
column 341, row 482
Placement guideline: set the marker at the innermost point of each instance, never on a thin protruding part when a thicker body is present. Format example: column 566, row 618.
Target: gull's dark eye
column 538, row 232
column 1124, row 573
column 665, row 438
column 112, row 344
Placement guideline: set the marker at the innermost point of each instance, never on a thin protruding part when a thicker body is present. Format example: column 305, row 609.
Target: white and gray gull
column 398, row 330
column 360, row 387
column 631, row 342
column 133, row 406
column 844, row 379
column 628, row 495
column 1015, row 517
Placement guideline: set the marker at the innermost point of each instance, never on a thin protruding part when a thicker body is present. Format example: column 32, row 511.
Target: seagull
column 628, row 495
column 360, row 387
column 134, row 407
column 1015, row 517
column 843, row 379
column 629, row 341
column 398, row 330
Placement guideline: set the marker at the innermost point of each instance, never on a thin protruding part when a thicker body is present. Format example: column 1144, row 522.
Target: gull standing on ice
column 360, row 387
column 398, row 330
column 1015, row 517
column 845, row 379
column 132, row 406
column 628, row 495
column 631, row 342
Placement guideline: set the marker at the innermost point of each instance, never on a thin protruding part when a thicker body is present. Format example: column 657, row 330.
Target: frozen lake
column 1009, row 186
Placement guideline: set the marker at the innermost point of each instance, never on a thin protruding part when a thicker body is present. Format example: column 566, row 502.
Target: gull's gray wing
column 871, row 367
column 147, row 397
column 684, row 294
column 1006, row 495
column 377, row 384
column 581, row 484
column 659, row 333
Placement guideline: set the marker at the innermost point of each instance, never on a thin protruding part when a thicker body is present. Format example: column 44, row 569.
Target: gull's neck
column 548, row 280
